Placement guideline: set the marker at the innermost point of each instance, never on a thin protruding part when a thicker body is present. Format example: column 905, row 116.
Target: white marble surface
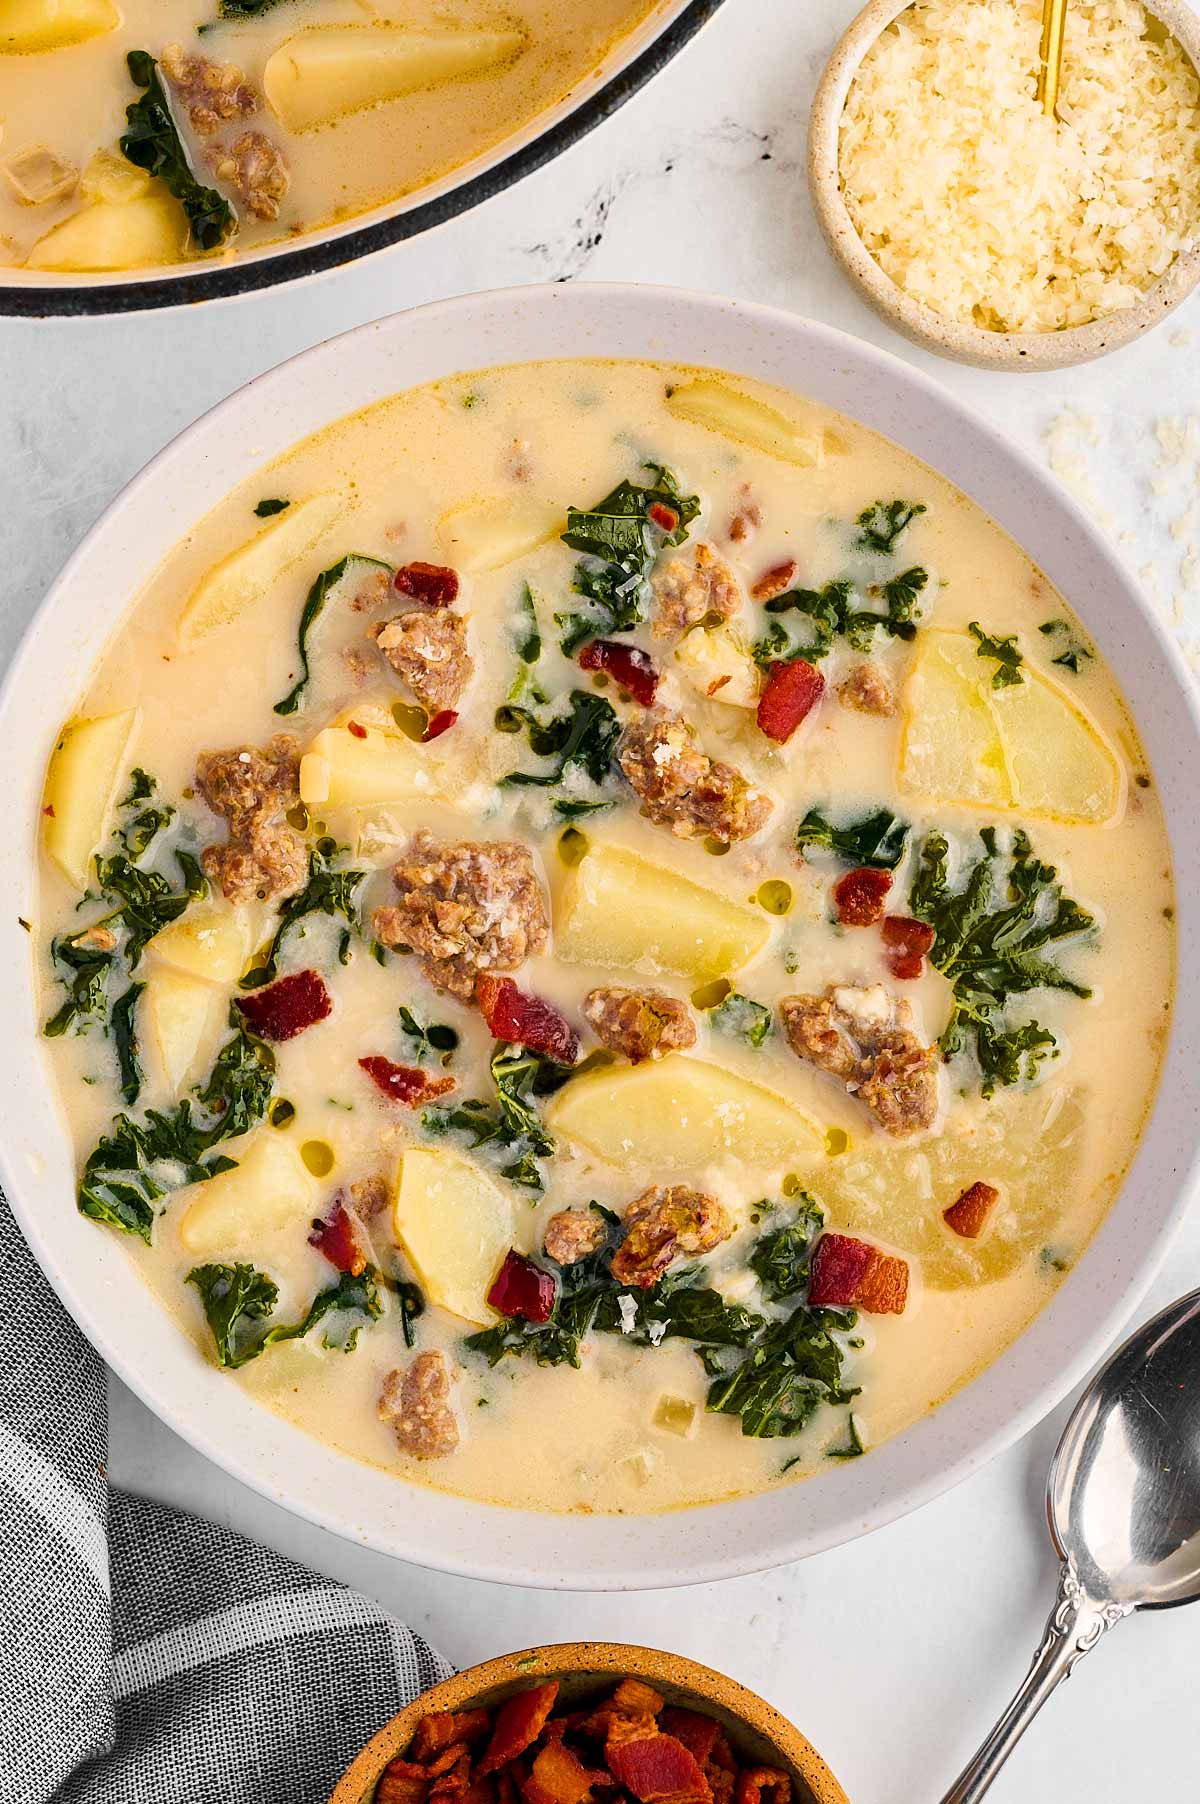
column 893, row 1654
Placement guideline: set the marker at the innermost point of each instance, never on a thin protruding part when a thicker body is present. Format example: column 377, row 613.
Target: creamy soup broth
column 322, row 151
column 413, row 477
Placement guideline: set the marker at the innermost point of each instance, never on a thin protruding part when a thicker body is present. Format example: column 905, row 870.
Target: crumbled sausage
column 252, row 790
column 428, row 651
column 746, row 517
column 663, row 1222
column 211, row 93
column 375, row 586
column 417, row 1405
column 95, row 939
column 775, row 581
column 867, row 690
column 686, row 592
column 864, row 1037
column 572, row 1234
column 681, row 787
column 643, row 1024
column 464, row 909
column 369, row 1195
column 256, row 170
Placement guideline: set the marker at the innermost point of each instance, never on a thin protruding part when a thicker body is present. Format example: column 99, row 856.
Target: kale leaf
column 125, row 1040
column 997, row 935
column 881, row 524
column 793, row 1368
column 270, row 505
column 424, row 1042
column 137, row 1162
column 1006, row 652
column 237, row 1297
column 831, row 612
column 152, row 142
column 780, row 1259
column 854, row 1442
column 512, row 1123
column 411, row 1300
column 877, row 839
column 740, row 1015
column 584, row 738
column 314, row 604
column 620, row 541
column 326, row 891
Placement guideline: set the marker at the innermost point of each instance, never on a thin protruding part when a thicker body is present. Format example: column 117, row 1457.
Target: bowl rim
column 922, row 324
column 329, row 248
column 604, row 1659
column 92, row 1274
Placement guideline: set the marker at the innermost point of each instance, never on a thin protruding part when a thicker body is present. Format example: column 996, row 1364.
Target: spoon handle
column 1076, row 1623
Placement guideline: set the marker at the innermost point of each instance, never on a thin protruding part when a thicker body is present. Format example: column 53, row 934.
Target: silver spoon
column 1123, row 1499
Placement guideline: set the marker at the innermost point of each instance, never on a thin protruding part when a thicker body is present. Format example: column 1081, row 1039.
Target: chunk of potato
column 716, row 662
column 186, row 1015
column 29, row 25
column 109, row 176
column 455, row 1224
column 322, row 74
column 269, row 1189
column 487, row 535
column 680, row 1114
column 618, row 909
column 208, row 943
column 738, row 416
column 1028, row 746
column 86, row 768
column 113, row 235
column 250, row 572
column 1027, row 1142
column 363, row 760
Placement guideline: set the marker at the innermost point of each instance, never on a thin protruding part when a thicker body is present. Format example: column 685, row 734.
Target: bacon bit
column 860, row 896
column 480, row 1791
column 519, row 1722
column 663, row 516
column 968, row 1216
column 635, row 1698
column 851, row 1274
column 629, row 666
column 697, row 1733
column 747, row 517
column 558, row 1777
column 441, row 723
column 774, row 581
column 527, row 1020
column 404, row 1083
column 756, row 1780
column 285, row 1008
column 442, row 1728
column 456, row 1782
column 506, row 1790
column 658, row 1769
column 398, row 1787
column 357, row 731
column 792, row 691
column 337, row 1238
column 433, row 585
column 521, row 1288
column 905, row 944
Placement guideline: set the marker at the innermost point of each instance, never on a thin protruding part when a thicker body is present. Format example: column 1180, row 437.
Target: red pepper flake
column 792, row 691
column 847, row 1273
column 664, row 516
column 905, row 944
column 527, row 1020
column 433, row 585
column 968, row 1216
column 404, row 1083
column 626, row 664
column 523, row 1289
column 285, row 1008
column 774, row 581
column 359, row 732
column 337, row 1237
column 860, row 896
column 441, row 723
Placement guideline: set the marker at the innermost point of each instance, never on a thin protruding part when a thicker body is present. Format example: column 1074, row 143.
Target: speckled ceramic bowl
column 949, row 337
column 757, row 1732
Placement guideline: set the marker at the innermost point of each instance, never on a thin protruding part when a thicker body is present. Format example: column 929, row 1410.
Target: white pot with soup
column 137, row 139
column 584, row 918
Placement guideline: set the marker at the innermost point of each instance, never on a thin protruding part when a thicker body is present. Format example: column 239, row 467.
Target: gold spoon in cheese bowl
column 1123, row 1501
column 1054, row 28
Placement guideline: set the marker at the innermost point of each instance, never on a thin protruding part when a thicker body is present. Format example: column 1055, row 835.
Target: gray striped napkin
column 146, row 1657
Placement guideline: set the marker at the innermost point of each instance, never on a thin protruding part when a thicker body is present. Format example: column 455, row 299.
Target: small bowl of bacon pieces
column 589, row 1723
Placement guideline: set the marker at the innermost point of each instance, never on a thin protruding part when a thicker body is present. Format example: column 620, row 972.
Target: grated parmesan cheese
column 977, row 204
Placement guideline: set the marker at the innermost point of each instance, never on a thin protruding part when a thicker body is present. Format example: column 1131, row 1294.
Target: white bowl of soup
column 152, row 157
column 608, row 936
